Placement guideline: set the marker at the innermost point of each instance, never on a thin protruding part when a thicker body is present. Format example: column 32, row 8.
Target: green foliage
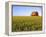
column 26, row 23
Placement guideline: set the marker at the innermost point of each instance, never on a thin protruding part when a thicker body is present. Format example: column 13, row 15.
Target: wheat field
column 26, row 23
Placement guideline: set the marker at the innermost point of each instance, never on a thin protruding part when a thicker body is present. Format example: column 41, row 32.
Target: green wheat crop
column 26, row 23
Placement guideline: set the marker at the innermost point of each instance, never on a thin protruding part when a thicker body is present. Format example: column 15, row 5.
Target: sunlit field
column 26, row 23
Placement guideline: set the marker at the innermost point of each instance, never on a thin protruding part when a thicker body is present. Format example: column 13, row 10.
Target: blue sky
column 25, row 10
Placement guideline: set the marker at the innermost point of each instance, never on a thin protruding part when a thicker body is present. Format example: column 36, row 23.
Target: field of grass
column 26, row 23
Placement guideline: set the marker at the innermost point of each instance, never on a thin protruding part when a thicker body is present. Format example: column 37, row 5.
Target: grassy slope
column 27, row 23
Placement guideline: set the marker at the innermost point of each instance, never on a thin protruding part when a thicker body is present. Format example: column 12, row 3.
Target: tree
column 34, row 13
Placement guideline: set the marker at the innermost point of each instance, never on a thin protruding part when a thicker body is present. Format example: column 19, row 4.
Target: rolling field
column 26, row 23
